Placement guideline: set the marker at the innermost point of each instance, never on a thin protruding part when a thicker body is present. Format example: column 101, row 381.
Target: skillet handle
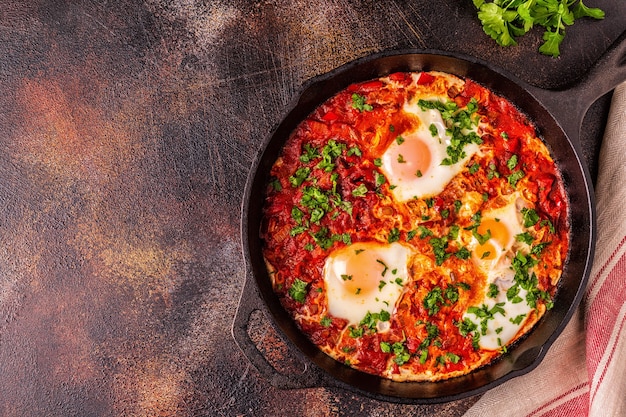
column 570, row 103
column 307, row 376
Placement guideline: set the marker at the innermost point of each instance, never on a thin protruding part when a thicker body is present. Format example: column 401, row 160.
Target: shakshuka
column 415, row 226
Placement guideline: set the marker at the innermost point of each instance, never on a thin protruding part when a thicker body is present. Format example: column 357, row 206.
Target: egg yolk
column 500, row 237
column 407, row 160
column 363, row 273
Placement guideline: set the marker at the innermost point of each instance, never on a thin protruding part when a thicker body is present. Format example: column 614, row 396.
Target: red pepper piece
column 425, row 79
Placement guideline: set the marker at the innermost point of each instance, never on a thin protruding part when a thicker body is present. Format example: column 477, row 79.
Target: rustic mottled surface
column 127, row 131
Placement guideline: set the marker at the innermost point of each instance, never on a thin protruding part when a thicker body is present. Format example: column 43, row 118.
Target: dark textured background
column 127, row 131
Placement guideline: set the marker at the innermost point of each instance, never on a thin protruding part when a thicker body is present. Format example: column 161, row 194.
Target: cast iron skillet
column 558, row 116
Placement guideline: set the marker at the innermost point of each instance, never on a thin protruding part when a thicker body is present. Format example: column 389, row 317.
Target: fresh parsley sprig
column 504, row 20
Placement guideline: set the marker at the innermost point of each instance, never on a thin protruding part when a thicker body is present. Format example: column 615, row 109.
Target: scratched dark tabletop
column 127, row 130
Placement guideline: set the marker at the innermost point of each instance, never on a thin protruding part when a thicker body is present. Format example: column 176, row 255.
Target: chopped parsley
column 493, row 291
column 330, row 153
column 460, row 122
column 299, row 176
column 355, row 331
column 438, row 297
column 380, row 178
column 466, row 326
column 484, row 313
column 515, row 177
column 424, row 232
column 297, row 215
column 517, row 319
column 275, row 184
column 463, row 253
column 310, row 153
column 439, row 246
column 295, row 231
column 434, row 300
column 452, row 357
column 525, row 237
column 298, row 291
column 385, row 267
column 482, row 239
column 512, row 294
column 538, row 248
column 529, row 217
column 394, row 235
column 358, row 103
column 401, row 352
column 492, row 171
column 325, row 239
column 453, row 233
column 326, row 321
column 451, row 293
column 354, row 151
column 371, row 319
column 359, row 191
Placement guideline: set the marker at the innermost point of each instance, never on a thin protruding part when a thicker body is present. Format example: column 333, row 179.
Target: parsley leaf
column 380, row 178
column 309, row 154
column 359, row 191
column 299, row 176
column 358, row 103
column 297, row 291
column 525, row 238
column 439, row 246
column 515, row 177
column 530, row 217
column 493, row 291
column 402, row 354
column 504, row 20
column 434, row 300
column 394, row 235
column 459, row 121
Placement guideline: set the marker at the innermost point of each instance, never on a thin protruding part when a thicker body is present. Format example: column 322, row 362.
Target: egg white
column 508, row 217
column 501, row 330
column 432, row 179
column 365, row 277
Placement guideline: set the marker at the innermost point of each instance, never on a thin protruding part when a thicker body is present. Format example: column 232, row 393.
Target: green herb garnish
column 358, row 103
column 504, row 20
column 297, row 291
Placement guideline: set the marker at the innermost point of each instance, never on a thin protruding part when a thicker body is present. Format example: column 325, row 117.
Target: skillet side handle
column 250, row 302
column 570, row 104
